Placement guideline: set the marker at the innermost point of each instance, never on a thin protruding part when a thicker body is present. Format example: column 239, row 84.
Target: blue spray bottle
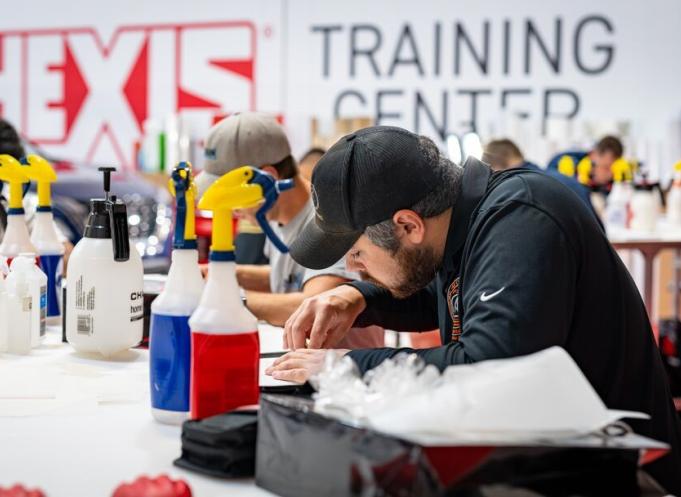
column 170, row 337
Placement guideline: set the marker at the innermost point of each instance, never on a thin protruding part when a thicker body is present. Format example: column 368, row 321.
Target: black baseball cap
column 362, row 180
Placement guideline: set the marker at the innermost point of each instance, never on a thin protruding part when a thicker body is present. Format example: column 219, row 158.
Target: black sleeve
column 518, row 292
column 415, row 313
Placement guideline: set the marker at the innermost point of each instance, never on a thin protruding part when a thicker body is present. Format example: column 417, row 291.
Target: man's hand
column 298, row 366
column 324, row 318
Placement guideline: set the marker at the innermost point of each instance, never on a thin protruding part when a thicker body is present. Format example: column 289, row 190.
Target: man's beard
column 418, row 268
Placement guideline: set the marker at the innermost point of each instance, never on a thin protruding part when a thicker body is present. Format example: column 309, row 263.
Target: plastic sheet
column 540, row 395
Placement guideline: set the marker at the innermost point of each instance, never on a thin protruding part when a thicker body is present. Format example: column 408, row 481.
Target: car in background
column 149, row 206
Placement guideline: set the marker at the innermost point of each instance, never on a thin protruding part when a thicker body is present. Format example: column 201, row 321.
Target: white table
column 100, row 433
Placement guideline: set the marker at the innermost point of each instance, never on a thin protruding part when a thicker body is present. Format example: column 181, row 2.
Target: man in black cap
column 505, row 264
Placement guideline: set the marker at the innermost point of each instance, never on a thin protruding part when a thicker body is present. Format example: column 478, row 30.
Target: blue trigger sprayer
column 170, row 337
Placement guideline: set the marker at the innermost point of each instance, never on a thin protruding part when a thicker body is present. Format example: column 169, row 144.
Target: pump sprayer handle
column 271, row 189
column 107, row 177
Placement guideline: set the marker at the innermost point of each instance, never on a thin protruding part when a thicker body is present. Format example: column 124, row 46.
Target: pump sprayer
column 104, row 281
column 16, row 239
column 170, row 336
column 44, row 237
column 225, row 346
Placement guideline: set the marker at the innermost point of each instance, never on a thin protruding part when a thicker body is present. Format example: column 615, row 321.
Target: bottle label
column 169, row 360
column 52, row 266
column 224, row 372
column 136, row 306
column 43, row 309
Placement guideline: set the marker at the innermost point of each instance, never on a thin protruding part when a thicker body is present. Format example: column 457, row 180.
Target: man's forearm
column 253, row 277
column 275, row 308
column 415, row 313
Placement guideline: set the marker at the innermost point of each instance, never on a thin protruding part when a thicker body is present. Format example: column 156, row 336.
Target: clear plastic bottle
column 25, row 264
column 19, row 305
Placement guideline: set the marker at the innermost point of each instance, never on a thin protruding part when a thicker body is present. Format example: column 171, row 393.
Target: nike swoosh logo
column 484, row 297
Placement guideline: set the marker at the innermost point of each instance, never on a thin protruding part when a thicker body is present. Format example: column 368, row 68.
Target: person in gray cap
column 274, row 291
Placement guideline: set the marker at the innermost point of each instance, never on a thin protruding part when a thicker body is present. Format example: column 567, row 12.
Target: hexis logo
column 70, row 89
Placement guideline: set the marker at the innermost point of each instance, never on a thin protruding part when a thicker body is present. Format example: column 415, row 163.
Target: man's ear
column 271, row 170
column 410, row 225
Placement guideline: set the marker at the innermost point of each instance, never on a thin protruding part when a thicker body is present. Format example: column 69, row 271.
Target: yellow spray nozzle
column 621, row 170
column 566, row 166
column 229, row 192
column 677, row 166
column 12, row 172
column 40, row 170
column 584, row 170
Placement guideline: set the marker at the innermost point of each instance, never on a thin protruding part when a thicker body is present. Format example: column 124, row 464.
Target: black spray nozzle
column 107, row 179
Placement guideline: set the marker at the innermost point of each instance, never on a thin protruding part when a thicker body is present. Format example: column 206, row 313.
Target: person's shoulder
column 529, row 187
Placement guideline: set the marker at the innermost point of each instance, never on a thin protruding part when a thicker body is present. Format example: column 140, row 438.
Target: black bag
column 222, row 446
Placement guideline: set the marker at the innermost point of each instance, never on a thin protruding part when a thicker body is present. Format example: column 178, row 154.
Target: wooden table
column 649, row 246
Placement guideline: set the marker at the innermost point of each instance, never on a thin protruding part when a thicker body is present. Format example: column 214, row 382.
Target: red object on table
column 20, row 491
column 161, row 486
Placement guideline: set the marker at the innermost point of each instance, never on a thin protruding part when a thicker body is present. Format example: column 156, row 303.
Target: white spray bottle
column 617, row 205
column 44, row 237
column 16, row 239
column 170, row 336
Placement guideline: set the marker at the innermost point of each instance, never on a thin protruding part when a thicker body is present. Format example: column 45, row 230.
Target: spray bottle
column 44, row 237
column 617, row 207
column 225, row 346
column 170, row 337
column 16, row 237
column 105, row 303
column 674, row 198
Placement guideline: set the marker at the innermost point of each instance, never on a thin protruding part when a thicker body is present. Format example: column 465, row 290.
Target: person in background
column 308, row 161
column 10, row 144
column 504, row 154
column 601, row 157
column 274, row 291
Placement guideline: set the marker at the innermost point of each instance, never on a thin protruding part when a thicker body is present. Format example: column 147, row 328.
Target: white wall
column 394, row 75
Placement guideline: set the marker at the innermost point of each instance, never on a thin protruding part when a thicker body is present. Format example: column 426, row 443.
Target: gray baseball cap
column 244, row 139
